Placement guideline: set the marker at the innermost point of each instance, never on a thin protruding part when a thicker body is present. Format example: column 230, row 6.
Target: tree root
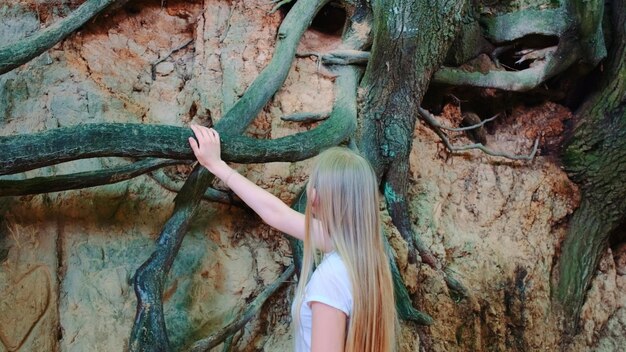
column 306, row 116
column 437, row 127
column 595, row 158
column 81, row 180
column 242, row 319
column 517, row 81
column 577, row 24
column 339, row 57
column 228, row 344
column 211, row 194
column 515, row 25
column 138, row 140
column 17, row 54
column 149, row 332
column 297, row 247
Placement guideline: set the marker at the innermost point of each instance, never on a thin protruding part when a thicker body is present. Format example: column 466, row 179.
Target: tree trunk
column 595, row 157
column 411, row 41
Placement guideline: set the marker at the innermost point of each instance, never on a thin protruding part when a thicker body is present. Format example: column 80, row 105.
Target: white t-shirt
column 329, row 284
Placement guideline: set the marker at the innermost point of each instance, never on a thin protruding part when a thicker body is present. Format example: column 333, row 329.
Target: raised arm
column 271, row 209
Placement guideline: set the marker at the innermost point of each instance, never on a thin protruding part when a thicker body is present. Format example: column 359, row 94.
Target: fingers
column 194, row 145
column 198, row 133
column 215, row 136
column 204, row 136
column 205, row 133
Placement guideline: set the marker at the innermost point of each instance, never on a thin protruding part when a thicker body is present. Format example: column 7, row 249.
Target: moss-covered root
column 242, row 319
column 17, row 54
column 595, row 158
column 80, row 180
column 554, row 63
column 149, row 332
column 298, row 205
column 577, row 24
column 30, row 151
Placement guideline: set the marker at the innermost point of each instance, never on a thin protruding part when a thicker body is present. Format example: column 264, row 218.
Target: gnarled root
column 80, row 180
column 17, row 54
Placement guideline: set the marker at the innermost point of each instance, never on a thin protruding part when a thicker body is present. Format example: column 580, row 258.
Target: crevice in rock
column 329, row 20
column 513, row 58
column 60, row 274
column 515, row 300
column 618, row 237
column 4, row 243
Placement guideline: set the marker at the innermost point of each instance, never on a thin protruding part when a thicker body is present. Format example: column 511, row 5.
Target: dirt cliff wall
column 67, row 258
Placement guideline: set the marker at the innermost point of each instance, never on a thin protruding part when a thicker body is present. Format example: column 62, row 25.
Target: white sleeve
column 330, row 284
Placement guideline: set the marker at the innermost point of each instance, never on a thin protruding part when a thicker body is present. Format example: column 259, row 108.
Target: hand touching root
column 207, row 147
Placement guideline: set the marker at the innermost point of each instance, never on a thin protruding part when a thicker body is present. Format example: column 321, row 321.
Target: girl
column 347, row 304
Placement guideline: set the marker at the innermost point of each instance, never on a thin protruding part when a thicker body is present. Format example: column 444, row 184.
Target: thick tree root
column 15, row 55
column 595, row 158
column 242, row 319
column 138, row 141
column 577, row 24
column 81, row 180
column 392, row 97
column 297, row 247
column 519, row 81
column 340, row 57
column 149, row 332
column 515, row 25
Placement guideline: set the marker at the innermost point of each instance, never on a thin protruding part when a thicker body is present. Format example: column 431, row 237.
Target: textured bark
column 138, row 141
column 149, row 332
column 80, row 180
column 411, row 41
column 577, row 24
column 595, row 157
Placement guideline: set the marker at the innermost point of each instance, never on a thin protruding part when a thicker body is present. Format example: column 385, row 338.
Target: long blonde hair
column 347, row 210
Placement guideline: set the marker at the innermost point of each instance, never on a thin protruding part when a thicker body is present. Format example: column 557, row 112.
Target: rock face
column 67, row 259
